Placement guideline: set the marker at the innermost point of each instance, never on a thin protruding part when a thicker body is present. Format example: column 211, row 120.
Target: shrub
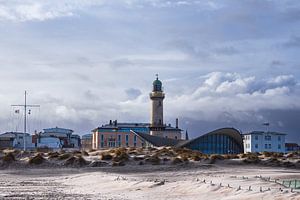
column 75, row 161
column 122, row 157
column 84, row 153
column 118, row 164
column 76, row 152
column 64, row 156
column 288, row 164
column 53, row 155
column 251, row 160
column 154, row 160
column 216, row 157
column 138, row 158
column 43, row 149
column 176, row 161
column 105, row 156
column 37, row 159
column 196, row 158
column 8, row 158
column 230, row 156
column 98, row 163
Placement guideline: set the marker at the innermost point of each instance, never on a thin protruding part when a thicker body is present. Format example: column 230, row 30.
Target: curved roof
column 160, row 141
column 231, row 132
column 157, row 82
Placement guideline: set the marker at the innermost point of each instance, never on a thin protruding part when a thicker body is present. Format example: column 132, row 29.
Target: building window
column 279, row 138
column 119, row 140
column 268, row 137
column 270, row 147
column 256, row 146
column 127, row 140
column 102, row 141
column 279, row 146
column 176, row 137
column 256, row 137
column 134, row 140
column 266, row 146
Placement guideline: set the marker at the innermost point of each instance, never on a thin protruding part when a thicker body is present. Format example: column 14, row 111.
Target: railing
column 295, row 184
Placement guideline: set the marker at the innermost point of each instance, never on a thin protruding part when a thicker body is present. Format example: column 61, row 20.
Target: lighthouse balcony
column 157, row 95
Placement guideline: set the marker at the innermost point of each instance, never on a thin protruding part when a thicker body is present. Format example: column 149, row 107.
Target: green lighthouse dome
column 157, row 85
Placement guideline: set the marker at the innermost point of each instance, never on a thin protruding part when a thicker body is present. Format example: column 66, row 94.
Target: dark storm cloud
column 293, row 42
column 133, row 93
column 90, row 61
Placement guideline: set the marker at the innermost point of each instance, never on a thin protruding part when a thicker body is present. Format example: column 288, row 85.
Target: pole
column 25, row 113
column 25, row 116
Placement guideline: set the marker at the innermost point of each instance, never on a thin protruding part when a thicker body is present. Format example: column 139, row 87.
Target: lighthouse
column 157, row 110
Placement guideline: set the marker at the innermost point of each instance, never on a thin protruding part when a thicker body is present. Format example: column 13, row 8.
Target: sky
column 230, row 63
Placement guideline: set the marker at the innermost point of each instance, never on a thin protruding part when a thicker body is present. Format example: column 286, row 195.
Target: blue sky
column 223, row 63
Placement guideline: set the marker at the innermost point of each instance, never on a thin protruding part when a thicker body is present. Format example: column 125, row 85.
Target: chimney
column 176, row 122
column 115, row 123
column 186, row 135
column 110, row 122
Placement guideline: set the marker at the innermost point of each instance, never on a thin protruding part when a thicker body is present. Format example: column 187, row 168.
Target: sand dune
column 146, row 174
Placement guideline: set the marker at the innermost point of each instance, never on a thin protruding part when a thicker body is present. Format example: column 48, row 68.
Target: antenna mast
column 25, row 106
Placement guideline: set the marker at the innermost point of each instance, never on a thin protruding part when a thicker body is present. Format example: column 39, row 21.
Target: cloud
column 293, row 42
column 221, row 93
column 133, row 93
column 96, row 59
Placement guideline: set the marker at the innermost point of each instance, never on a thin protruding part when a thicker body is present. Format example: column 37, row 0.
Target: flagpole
column 25, row 117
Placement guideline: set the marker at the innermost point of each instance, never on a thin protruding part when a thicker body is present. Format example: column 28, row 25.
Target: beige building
column 116, row 134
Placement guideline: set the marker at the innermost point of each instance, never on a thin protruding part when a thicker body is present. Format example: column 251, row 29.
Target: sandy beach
column 216, row 181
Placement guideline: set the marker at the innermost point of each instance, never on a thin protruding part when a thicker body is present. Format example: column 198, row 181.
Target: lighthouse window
column 159, row 121
column 159, row 103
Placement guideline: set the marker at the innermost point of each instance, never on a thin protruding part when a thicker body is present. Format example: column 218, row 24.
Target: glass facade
column 216, row 144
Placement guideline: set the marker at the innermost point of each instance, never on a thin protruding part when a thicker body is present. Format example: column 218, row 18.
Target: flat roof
column 263, row 132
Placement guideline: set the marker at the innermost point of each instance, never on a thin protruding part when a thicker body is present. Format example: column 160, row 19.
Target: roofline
column 263, row 132
column 58, row 128
column 240, row 139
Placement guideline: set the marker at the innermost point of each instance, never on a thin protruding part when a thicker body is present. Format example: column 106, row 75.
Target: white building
column 49, row 142
column 259, row 141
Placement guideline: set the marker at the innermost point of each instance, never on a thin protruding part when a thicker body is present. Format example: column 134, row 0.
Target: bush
column 75, row 161
column 154, row 160
column 230, row 156
column 176, row 161
column 64, row 156
column 251, row 160
column 76, row 152
column 118, row 164
column 138, row 158
column 43, row 149
column 37, row 159
column 288, row 164
column 105, row 156
column 216, row 157
column 8, row 158
column 98, row 163
column 84, row 153
column 196, row 158
column 122, row 156
column 268, row 154
column 53, row 155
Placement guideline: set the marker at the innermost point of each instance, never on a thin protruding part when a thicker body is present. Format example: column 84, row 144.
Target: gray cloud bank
column 229, row 63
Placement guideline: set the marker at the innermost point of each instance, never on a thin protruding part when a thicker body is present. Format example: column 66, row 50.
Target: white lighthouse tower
column 157, row 96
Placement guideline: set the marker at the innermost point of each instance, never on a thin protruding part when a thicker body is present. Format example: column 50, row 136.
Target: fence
column 295, row 184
